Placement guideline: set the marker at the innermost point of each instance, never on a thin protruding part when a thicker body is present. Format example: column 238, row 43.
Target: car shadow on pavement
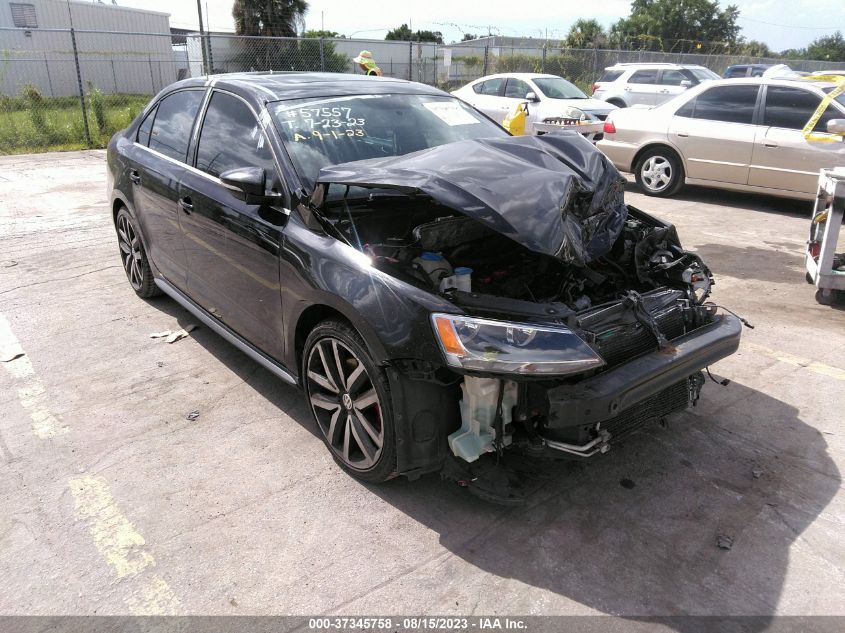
column 738, row 200
column 775, row 264
column 697, row 518
column 286, row 397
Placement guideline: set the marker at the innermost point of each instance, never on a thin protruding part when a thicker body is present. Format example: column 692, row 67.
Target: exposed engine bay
column 433, row 247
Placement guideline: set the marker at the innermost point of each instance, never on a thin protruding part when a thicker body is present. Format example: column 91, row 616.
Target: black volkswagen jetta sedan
column 439, row 289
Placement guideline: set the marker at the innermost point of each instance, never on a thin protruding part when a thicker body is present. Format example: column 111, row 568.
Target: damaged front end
column 577, row 318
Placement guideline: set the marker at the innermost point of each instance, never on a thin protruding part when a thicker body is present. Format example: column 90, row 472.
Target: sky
column 778, row 24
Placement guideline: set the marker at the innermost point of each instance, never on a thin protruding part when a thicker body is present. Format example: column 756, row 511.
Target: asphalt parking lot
column 115, row 502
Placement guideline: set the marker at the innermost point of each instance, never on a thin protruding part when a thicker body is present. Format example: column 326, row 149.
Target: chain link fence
column 71, row 89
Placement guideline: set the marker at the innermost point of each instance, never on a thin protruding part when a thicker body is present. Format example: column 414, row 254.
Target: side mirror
column 247, row 183
column 532, row 96
column 836, row 126
column 686, row 83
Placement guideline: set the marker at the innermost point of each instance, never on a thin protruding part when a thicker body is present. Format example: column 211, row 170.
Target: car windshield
column 324, row 131
column 559, row 88
column 703, row 74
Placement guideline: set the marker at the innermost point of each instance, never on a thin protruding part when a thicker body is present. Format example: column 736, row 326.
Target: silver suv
column 625, row 85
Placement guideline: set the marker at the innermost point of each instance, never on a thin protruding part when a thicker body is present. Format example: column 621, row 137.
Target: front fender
column 391, row 315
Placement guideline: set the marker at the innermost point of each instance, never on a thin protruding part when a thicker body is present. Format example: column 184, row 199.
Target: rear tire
column 832, row 298
column 133, row 257
column 349, row 396
column 659, row 172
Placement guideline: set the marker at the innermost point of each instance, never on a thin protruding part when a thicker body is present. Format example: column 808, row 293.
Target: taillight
column 595, row 87
column 609, row 127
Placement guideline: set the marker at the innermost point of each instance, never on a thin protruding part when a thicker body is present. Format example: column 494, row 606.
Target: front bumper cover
column 609, row 393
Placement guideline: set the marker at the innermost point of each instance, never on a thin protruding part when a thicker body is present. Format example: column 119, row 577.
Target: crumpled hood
column 554, row 194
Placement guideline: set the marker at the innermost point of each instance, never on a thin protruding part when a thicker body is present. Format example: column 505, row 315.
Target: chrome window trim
column 154, row 104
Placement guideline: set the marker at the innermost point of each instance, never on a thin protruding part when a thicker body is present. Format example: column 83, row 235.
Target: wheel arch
column 117, row 204
column 656, row 145
column 316, row 313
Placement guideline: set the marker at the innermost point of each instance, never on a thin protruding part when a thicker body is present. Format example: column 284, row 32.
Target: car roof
column 635, row 65
column 765, row 81
column 275, row 86
column 517, row 76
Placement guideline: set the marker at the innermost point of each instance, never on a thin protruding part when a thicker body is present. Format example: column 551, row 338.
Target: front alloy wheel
column 345, row 390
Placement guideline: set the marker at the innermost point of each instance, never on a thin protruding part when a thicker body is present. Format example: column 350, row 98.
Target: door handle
column 682, row 134
column 186, row 204
column 664, row 91
column 134, row 176
column 627, row 89
column 768, row 143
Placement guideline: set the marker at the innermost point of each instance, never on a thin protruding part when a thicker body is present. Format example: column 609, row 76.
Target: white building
column 121, row 50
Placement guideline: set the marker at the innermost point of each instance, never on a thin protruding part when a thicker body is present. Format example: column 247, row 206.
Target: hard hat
column 365, row 58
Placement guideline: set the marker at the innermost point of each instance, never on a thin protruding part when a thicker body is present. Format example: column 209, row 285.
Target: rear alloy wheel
column 659, row 172
column 133, row 257
column 350, row 401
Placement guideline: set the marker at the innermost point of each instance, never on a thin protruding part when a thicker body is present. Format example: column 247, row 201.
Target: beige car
column 740, row 134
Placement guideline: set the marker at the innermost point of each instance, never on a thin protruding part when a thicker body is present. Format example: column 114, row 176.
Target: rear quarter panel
column 636, row 128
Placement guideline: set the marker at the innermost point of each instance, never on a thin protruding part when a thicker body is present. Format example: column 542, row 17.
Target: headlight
column 516, row 348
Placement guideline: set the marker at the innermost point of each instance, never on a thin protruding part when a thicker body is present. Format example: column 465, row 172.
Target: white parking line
column 122, row 547
column 31, row 393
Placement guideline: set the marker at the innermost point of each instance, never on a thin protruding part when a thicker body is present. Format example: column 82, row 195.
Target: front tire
column 659, row 172
column 133, row 257
column 349, row 396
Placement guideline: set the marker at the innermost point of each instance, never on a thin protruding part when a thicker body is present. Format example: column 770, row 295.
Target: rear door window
column 730, row 104
column 146, row 127
column 644, row 77
column 516, row 89
column 231, row 138
column 672, row 78
column 174, row 119
column 610, row 75
column 791, row 108
column 490, row 87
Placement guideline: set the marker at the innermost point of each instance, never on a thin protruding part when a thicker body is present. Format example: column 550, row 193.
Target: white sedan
column 548, row 96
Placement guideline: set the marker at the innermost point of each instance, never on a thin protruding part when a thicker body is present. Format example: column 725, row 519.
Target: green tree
column 281, row 18
column 404, row 33
column 585, row 34
column 794, row 53
column 828, row 47
column 278, row 18
column 469, row 36
column 323, row 33
column 754, row 48
column 680, row 26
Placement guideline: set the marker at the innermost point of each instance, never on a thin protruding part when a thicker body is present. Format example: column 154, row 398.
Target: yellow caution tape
column 830, row 96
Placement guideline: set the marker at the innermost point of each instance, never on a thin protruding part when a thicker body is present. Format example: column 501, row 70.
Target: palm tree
column 277, row 18
column 269, row 18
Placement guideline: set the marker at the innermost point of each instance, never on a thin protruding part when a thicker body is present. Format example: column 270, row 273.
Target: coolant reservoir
column 435, row 266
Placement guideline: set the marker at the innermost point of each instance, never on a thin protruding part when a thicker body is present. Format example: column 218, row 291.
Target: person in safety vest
column 367, row 63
